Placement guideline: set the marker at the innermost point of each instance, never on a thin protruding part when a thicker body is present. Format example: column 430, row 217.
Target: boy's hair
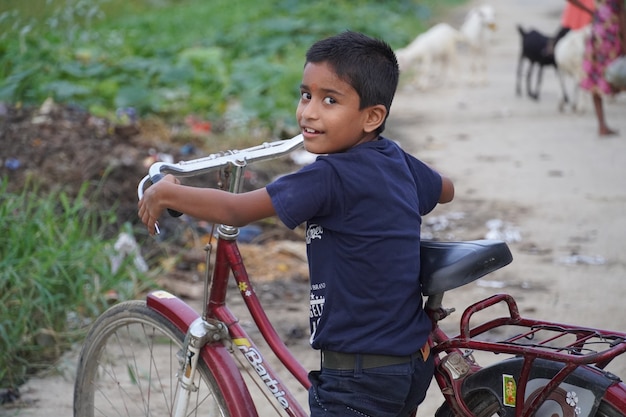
column 369, row 65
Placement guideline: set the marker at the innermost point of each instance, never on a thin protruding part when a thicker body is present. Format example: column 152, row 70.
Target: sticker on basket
column 162, row 294
column 509, row 389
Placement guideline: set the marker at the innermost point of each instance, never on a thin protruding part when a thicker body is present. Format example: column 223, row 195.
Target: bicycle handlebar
column 263, row 152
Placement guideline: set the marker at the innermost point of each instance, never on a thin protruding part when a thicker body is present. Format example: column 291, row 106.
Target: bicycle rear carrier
column 531, row 338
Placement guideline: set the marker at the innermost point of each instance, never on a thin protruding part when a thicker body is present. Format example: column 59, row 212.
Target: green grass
column 55, row 275
column 234, row 60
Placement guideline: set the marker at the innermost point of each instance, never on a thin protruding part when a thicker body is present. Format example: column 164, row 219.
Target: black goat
column 538, row 49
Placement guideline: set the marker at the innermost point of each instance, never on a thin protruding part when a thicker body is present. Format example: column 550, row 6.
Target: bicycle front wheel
column 128, row 367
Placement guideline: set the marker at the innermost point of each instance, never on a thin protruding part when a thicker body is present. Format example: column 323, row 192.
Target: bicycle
column 552, row 369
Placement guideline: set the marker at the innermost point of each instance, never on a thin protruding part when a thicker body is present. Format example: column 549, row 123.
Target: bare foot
column 605, row 132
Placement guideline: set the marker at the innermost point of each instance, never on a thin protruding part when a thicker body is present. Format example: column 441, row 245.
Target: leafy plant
column 55, row 274
column 218, row 60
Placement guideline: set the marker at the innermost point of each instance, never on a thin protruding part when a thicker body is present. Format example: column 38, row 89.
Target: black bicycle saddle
column 449, row 265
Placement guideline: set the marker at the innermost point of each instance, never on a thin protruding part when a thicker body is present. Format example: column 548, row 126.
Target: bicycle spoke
column 129, row 367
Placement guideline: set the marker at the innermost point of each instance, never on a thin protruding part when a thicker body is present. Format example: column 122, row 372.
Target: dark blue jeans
column 387, row 391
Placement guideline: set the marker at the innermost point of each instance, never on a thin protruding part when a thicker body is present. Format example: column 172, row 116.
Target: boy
column 362, row 201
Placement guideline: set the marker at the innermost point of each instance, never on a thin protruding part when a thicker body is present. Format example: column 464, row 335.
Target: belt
column 350, row 361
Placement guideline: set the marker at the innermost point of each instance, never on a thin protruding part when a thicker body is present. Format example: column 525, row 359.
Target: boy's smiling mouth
column 310, row 130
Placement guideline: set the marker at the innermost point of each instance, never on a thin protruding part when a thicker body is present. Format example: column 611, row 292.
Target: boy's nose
column 309, row 111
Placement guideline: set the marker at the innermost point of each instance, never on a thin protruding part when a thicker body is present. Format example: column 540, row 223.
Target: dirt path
column 547, row 174
column 558, row 189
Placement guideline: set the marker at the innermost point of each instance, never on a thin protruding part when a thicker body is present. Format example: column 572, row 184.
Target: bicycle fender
column 578, row 395
column 216, row 356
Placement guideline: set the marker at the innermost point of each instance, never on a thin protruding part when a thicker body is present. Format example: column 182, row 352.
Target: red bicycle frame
column 217, row 356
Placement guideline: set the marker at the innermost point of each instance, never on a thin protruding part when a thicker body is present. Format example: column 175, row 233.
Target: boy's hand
column 150, row 207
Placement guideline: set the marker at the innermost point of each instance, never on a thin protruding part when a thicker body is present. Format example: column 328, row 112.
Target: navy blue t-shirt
column 363, row 211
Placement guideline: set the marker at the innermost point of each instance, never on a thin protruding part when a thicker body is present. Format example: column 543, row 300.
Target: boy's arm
column 447, row 190
column 215, row 206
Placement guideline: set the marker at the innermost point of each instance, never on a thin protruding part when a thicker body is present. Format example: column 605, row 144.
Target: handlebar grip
column 156, row 178
column 174, row 213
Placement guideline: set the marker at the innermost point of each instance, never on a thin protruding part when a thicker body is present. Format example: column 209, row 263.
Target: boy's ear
column 375, row 117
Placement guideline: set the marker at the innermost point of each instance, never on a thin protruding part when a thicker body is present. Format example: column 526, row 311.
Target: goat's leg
column 426, row 72
column 565, row 99
column 538, row 86
column 576, row 99
column 581, row 97
column 518, row 86
column 529, row 81
column 483, row 68
column 563, row 89
column 473, row 68
column 440, row 71
column 452, row 68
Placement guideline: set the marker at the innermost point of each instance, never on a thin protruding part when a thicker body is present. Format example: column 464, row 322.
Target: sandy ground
column 557, row 188
column 545, row 174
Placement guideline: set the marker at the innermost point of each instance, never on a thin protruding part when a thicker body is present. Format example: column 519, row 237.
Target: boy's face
column 329, row 115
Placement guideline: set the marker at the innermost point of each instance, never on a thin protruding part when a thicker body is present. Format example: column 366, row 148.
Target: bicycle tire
column 484, row 404
column 606, row 410
column 480, row 403
column 128, row 367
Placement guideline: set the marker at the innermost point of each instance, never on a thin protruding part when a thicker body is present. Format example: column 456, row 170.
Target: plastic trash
column 12, row 164
column 582, row 260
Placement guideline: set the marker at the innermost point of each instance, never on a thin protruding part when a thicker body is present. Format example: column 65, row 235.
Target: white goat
column 432, row 56
column 476, row 29
column 568, row 54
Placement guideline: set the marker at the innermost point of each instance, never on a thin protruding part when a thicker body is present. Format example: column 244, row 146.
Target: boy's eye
column 305, row 96
column 329, row 100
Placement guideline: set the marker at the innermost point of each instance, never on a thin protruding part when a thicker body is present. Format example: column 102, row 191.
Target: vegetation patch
column 238, row 62
column 56, row 273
